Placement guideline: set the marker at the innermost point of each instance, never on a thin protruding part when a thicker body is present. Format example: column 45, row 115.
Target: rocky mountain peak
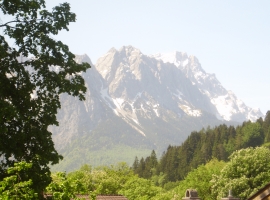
column 145, row 101
column 127, row 51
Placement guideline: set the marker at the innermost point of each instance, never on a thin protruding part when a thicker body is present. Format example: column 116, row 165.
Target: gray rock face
column 144, row 102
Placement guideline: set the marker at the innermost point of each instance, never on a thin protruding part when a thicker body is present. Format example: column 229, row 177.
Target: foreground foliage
column 12, row 187
column 116, row 179
column 200, row 179
column 35, row 70
column 61, row 188
column 245, row 173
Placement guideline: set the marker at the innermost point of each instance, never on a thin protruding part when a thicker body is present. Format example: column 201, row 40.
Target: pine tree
column 153, row 159
column 266, row 125
column 135, row 165
column 141, row 168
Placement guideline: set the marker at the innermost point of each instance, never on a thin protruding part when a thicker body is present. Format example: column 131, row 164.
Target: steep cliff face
column 75, row 117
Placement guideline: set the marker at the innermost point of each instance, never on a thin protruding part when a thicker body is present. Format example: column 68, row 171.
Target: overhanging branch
column 6, row 24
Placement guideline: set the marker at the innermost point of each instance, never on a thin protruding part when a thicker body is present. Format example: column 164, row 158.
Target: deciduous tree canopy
column 34, row 70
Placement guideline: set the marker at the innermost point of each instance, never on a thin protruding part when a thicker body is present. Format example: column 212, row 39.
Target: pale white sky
column 230, row 38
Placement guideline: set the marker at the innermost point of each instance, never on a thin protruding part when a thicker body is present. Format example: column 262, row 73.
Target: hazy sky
column 230, row 38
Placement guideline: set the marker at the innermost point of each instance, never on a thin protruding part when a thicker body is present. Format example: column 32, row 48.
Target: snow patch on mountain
column 192, row 112
column 179, row 59
column 225, row 106
column 122, row 108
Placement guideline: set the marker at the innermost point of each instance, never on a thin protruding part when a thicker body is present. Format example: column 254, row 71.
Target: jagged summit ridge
column 130, row 75
column 229, row 107
column 174, row 80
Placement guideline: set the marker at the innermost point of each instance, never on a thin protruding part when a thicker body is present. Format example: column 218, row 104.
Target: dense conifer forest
column 200, row 147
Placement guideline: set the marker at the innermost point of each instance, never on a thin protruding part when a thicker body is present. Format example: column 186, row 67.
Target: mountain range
column 136, row 103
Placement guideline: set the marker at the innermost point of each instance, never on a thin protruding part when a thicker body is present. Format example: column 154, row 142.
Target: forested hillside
column 200, row 147
column 212, row 161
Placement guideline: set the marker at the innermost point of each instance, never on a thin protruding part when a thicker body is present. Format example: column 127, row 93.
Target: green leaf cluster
column 200, row 179
column 13, row 187
column 62, row 188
